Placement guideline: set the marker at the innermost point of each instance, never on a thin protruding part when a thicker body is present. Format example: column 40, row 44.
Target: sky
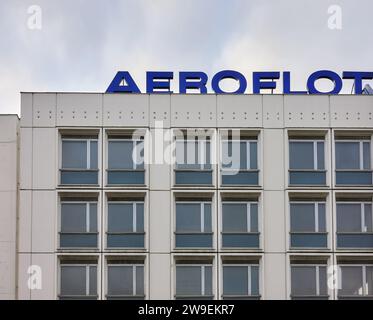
column 79, row 45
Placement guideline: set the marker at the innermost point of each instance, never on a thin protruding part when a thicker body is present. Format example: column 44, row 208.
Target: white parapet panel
column 160, row 110
column 273, row 111
column 306, row 111
column 44, row 109
column 131, row 110
column 351, row 111
column 193, row 110
column 239, row 111
column 79, row 109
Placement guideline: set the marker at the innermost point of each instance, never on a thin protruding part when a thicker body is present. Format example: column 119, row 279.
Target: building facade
column 138, row 196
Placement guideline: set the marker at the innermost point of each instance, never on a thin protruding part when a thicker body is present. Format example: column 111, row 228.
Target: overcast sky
column 82, row 44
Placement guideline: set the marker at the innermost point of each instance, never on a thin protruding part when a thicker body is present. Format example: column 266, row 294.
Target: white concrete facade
column 273, row 119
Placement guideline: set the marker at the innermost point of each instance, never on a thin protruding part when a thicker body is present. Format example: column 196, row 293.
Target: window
column 240, row 162
column 79, row 161
column 354, row 225
column 194, row 281
column 309, row 281
column 308, row 225
column 240, row 224
column 193, row 224
column 78, row 281
column 307, row 162
column 125, row 161
column 125, row 280
column 125, row 224
column 352, row 162
column 78, row 224
column 240, row 281
column 193, row 161
column 356, row 281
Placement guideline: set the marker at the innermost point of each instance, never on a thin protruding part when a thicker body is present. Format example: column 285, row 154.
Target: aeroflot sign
column 160, row 81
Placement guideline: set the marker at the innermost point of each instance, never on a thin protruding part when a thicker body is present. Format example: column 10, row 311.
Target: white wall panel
column 44, row 158
column 275, row 276
column 43, row 221
column 26, row 109
column 160, row 276
column 274, row 221
column 48, row 268
column 159, row 221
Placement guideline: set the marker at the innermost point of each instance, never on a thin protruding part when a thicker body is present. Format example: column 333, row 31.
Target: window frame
column 208, row 136
column 315, row 154
column 362, row 216
column 326, row 233
column 88, row 284
column 203, row 283
column 317, row 281
column 123, row 138
column 361, row 160
column 87, row 212
column 134, row 281
column 248, row 222
column 202, row 226
column 88, row 140
column 249, row 294
column 107, row 233
column 364, row 284
column 248, row 140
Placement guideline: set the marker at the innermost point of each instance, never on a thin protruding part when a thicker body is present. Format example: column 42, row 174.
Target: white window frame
column 203, row 278
column 134, row 142
column 248, row 153
column 134, row 214
column 134, row 273
column 87, row 283
column 249, row 277
column 248, row 214
column 361, row 152
column 315, row 213
column 315, row 153
column 88, row 148
column 364, row 277
column 201, row 150
column 202, row 214
column 87, row 213
column 362, row 213
column 317, row 276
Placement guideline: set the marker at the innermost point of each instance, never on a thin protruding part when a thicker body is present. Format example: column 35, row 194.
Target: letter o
column 324, row 74
column 228, row 74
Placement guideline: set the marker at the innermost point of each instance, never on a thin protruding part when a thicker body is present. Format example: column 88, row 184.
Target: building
column 84, row 217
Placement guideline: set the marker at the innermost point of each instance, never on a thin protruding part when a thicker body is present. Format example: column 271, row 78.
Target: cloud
column 80, row 46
